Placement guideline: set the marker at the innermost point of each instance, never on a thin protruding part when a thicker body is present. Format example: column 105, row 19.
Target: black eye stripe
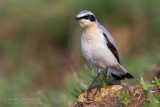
column 90, row 17
column 85, row 17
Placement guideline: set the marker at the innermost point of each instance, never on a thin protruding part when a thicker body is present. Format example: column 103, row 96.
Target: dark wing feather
column 112, row 48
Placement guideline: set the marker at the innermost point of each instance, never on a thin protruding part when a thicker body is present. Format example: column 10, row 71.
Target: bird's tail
column 120, row 73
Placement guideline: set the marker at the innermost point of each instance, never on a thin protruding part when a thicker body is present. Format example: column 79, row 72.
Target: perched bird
column 98, row 47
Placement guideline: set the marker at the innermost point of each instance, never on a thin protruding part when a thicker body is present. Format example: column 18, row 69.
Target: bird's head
column 85, row 18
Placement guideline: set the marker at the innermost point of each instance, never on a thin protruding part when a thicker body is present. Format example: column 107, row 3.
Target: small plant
column 154, row 101
column 123, row 98
column 145, row 86
column 156, row 82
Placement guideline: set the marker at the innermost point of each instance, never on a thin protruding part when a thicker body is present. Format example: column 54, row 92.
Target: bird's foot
column 88, row 91
column 98, row 89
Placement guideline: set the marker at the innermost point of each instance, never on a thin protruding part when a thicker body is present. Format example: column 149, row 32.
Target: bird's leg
column 90, row 87
column 99, row 86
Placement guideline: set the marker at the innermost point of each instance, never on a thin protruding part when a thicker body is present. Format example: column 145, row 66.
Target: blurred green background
column 40, row 46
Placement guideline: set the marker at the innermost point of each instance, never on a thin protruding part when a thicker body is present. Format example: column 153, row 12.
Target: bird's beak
column 77, row 18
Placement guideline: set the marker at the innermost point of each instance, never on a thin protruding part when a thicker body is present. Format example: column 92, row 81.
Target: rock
column 107, row 97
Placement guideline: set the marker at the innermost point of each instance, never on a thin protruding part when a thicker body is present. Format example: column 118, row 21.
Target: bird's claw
column 90, row 90
column 98, row 89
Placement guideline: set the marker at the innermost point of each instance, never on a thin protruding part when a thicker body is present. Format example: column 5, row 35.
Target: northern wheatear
column 98, row 47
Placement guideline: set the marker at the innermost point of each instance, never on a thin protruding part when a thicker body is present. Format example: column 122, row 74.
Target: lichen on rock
column 109, row 91
column 108, row 97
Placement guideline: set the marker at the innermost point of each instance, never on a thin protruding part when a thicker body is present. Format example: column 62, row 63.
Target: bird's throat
column 90, row 29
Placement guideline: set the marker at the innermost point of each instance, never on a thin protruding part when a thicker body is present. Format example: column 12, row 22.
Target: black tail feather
column 129, row 76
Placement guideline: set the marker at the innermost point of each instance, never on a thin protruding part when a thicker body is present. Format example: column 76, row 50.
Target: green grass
column 145, row 86
column 156, row 82
column 123, row 98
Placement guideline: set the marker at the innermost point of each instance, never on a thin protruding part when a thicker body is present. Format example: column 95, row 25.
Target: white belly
column 96, row 52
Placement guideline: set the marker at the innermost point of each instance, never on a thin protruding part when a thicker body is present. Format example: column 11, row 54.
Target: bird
column 98, row 47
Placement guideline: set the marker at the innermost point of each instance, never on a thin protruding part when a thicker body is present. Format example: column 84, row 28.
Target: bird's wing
column 112, row 48
column 106, row 33
column 110, row 42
